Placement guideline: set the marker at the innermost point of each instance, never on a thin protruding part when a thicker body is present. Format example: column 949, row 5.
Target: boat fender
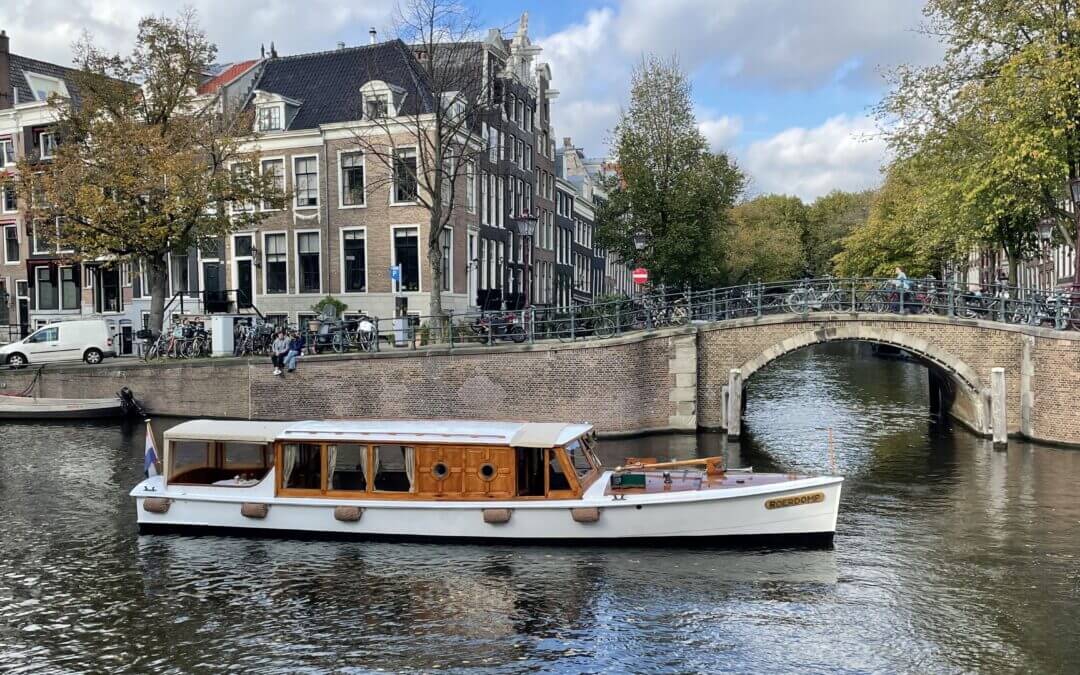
column 348, row 514
column 587, row 514
column 253, row 510
column 156, row 504
column 496, row 516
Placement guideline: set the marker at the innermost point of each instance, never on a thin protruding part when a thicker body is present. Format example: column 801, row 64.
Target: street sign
column 395, row 273
column 640, row 276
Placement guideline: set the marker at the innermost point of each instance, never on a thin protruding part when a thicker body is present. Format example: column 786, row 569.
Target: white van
column 88, row 340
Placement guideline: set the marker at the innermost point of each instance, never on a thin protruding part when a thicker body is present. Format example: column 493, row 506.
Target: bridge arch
column 967, row 398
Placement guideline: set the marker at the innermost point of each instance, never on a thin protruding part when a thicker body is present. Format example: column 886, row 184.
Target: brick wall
column 632, row 383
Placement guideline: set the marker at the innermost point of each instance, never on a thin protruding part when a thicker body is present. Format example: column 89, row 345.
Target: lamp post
column 1046, row 266
column 525, row 225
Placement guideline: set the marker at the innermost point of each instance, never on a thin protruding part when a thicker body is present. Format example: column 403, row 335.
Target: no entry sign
column 640, row 275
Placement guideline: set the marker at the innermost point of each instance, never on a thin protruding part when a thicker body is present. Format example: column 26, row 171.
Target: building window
column 241, row 174
column 352, row 179
column 355, row 261
column 376, row 106
column 47, row 144
column 446, row 240
column 470, row 187
column 407, row 254
column 307, row 259
column 45, row 281
column 306, row 180
column 179, row 274
column 11, row 244
column 276, row 169
column 270, row 118
column 276, row 264
column 7, row 152
column 10, row 202
column 405, row 175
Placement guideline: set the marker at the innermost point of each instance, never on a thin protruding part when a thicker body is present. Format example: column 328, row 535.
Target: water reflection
column 949, row 557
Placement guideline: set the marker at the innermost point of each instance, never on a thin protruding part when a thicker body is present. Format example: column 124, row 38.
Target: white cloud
column 844, row 153
column 721, row 131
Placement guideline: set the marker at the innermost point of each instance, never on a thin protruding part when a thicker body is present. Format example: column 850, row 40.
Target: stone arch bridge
column 996, row 378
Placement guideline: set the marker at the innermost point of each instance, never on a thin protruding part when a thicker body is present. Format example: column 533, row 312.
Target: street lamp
column 525, row 225
column 641, row 240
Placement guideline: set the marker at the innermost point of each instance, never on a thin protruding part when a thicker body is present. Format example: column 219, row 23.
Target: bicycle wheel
column 679, row 316
column 798, row 303
column 340, row 341
column 1072, row 318
column 603, row 327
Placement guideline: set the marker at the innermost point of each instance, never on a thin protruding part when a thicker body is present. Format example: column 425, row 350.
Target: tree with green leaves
column 831, row 218
column 143, row 168
column 670, row 190
column 997, row 122
column 766, row 240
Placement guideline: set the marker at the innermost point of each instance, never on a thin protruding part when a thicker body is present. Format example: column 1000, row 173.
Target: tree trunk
column 435, row 260
column 158, row 278
column 1014, row 264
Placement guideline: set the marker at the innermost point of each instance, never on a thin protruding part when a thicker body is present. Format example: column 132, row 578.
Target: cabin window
column 301, row 466
column 346, row 464
column 224, row 464
column 244, row 456
column 530, row 472
column 579, row 458
column 394, row 467
column 188, row 456
column 557, row 480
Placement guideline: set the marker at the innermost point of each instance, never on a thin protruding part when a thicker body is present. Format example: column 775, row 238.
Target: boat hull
column 804, row 509
column 26, row 408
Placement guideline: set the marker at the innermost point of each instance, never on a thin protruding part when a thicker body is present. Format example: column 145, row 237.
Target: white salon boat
column 461, row 480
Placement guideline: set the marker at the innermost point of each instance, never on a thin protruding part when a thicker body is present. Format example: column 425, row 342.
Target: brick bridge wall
column 670, row 379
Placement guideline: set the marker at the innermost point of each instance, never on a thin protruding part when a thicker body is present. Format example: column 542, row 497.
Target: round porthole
column 440, row 470
column 488, row 471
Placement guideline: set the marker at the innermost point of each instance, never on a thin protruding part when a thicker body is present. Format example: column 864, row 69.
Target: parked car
column 87, row 340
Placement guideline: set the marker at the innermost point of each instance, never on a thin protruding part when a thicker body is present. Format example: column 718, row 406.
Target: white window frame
column 419, row 253
column 296, row 249
column 284, row 178
column 318, row 183
column 61, row 86
column 234, row 260
column 265, row 266
column 393, row 177
column 41, row 143
column 341, row 178
column 10, row 142
column 18, row 238
column 267, row 106
column 470, row 186
column 235, row 208
column 341, row 260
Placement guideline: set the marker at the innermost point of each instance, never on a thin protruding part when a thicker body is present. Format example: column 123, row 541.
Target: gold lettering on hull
column 795, row 500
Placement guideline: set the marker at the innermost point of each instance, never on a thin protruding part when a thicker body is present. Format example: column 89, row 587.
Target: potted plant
column 320, row 307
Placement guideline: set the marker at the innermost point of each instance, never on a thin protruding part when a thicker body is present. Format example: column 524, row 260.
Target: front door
column 214, row 285
column 245, row 284
column 23, row 297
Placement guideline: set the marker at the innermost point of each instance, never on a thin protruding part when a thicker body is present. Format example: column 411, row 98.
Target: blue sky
column 785, row 86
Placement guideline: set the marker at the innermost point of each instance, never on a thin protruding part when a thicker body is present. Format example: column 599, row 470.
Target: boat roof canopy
column 464, row 432
column 226, row 430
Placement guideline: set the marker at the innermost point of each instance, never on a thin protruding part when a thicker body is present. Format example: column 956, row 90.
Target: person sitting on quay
column 296, row 348
column 278, row 349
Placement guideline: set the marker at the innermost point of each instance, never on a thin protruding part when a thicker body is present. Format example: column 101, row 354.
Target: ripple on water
column 949, row 558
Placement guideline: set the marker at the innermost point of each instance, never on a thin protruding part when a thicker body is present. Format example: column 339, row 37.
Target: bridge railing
column 665, row 307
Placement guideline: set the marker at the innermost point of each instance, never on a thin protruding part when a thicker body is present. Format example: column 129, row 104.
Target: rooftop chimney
column 5, row 73
column 341, row 45
column 374, row 35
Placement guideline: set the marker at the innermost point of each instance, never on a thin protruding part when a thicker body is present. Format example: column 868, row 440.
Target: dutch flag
column 150, row 458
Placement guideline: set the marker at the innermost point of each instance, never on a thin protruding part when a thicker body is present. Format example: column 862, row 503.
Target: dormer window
column 43, row 86
column 376, row 106
column 271, row 117
column 380, row 100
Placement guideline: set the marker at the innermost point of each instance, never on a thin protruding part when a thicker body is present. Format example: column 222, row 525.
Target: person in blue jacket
column 296, row 348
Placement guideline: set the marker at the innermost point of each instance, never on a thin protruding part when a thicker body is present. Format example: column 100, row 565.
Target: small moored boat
column 456, row 480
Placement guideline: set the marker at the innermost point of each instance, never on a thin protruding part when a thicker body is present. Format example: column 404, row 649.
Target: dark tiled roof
column 328, row 83
column 20, row 64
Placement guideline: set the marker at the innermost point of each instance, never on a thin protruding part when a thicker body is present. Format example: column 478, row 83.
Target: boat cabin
column 386, row 459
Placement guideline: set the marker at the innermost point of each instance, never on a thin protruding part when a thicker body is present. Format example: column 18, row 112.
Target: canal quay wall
column 675, row 379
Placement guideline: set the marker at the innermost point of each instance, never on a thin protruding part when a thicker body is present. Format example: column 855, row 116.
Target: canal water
column 950, row 557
